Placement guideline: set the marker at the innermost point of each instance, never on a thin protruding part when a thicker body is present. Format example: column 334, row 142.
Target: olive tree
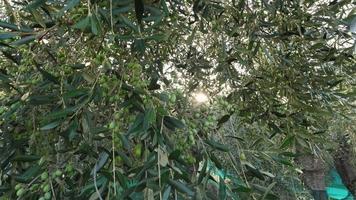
column 97, row 97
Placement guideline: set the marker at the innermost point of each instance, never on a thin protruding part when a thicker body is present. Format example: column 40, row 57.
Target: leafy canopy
column 96, row 96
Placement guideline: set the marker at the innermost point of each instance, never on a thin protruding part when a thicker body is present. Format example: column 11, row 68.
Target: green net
column 336, row 189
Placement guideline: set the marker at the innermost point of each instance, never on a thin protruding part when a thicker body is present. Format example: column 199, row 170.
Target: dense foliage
column 97, row 97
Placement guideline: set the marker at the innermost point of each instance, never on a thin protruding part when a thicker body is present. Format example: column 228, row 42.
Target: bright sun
column 200, row 97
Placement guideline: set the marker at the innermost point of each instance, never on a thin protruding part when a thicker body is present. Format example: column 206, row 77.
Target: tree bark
column 343, row 165
column 314, row 171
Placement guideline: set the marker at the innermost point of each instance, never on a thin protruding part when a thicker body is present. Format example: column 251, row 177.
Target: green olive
column 20, row 192
column 117, row 115
column 46, row 188
column 112, row 125
column 47, row 195
column 191, row 159
column 118, row 160
column 242, row 156
column 138, row 150
column 41, row 161
column 18, row 186
column 34, row 187
column 173, row 98
column 191, row 138
column 44, row 176
column 206, row 123
column 69, row 168
column 58, row 172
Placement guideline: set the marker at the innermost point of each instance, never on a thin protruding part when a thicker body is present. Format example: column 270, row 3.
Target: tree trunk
column 314, row 172
column 343, row 165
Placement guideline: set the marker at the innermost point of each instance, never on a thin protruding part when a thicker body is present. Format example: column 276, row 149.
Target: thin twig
column 113, row 145
column 33, row 180
column 111, row 18
column 54, row 194
column 89, row 11
column 158, row 164
column 95, row 185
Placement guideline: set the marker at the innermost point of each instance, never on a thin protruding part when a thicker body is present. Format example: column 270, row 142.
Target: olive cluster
column 107, row 83
column 224, row 105
column 42, row 185
column 115, row 128
column 134, row 77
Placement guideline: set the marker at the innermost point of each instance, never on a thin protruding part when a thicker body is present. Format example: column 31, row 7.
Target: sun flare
column 200, row 97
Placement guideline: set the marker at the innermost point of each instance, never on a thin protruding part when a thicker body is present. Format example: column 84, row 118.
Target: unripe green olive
column 20, row 192
column 41, row 198
column 117, row 115
column 47, row 195
column 173, row 98
column 112, row 125
column 138, row 150
column 69, row 168
column 118, row 160
column 18, row 186
column 58, row 172
column 206, row 123
column 191, row 138
column 242, row 156
column 190, row 159
column 46, row 188
column 34, row 187
column 44, row 176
